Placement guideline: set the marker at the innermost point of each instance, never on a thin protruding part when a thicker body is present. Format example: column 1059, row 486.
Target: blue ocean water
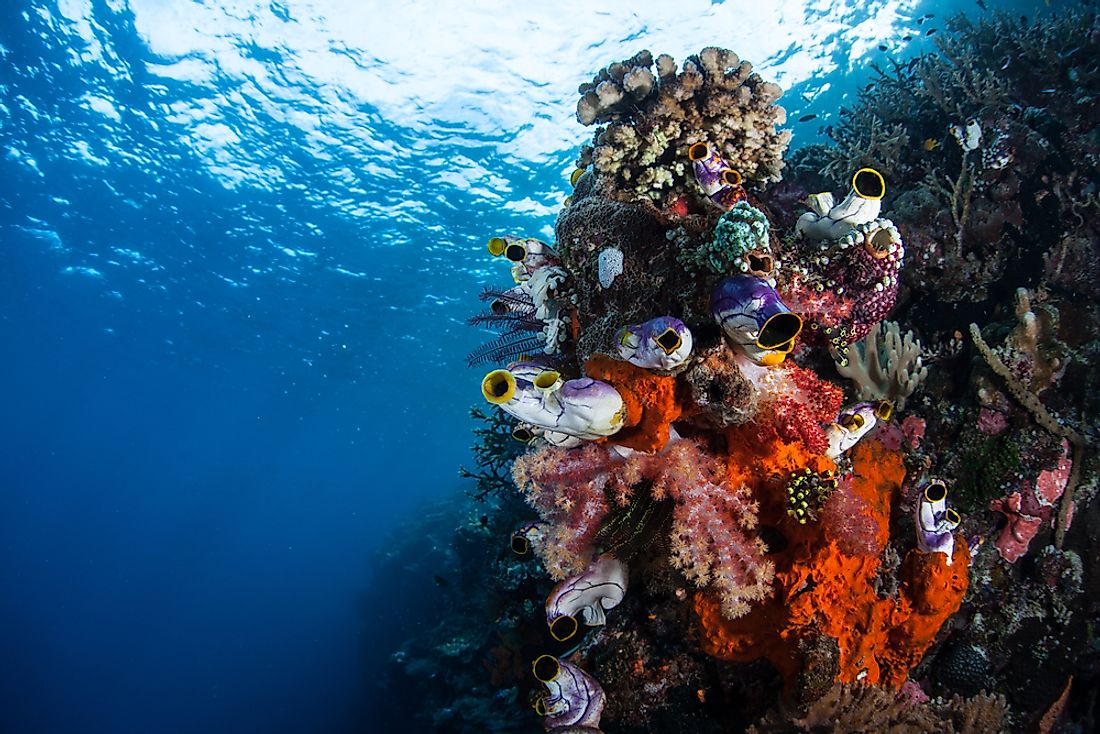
column 238, row 245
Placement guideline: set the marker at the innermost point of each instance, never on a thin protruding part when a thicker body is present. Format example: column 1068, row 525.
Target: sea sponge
column 821, row 587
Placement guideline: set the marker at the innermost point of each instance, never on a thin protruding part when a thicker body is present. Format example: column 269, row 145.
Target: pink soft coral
column 711, row 526
column 711, row 540
column 567, row 488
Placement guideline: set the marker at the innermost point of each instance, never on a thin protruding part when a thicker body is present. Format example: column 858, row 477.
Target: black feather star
column 506, row 348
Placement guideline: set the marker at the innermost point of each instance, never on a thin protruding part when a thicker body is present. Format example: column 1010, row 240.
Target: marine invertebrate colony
column 909, row 515
column 690, row 439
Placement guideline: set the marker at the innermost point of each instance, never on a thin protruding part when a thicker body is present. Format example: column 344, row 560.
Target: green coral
column 988, row 463
column 740, row 231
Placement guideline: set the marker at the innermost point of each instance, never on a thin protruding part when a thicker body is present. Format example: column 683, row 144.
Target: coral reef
column 763, row 504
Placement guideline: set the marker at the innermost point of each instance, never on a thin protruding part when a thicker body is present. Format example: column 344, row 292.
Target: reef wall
column 751, row 488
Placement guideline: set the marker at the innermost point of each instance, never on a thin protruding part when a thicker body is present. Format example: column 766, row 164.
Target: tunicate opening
column 698, row 151
column 498, row 386
column 935, row 492
column 779, row 329
column 669, row 341
column 884, row 410
column 546, row 668
column 496, row 246
column 760, row 263
column 576, row 176
column 546, row 379
column 520, row 544
column 731, row 177
column 852, row 422
column 953, row 517
column 523, row 434
column 563, row 628
column 499, row 307
column 869, row 184
column 879, row 243
column 515, row 252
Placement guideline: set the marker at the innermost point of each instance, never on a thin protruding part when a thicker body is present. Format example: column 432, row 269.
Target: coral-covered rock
column 653, row 120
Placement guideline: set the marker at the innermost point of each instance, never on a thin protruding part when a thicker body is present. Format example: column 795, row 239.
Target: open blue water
column 238, row 244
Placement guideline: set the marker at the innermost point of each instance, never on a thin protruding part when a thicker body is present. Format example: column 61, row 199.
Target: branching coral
column 884, row 365
column 653, row 119
column 493, row 454
column 989, row 148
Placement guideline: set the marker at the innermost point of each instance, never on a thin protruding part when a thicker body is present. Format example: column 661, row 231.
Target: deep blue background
column 207, row 441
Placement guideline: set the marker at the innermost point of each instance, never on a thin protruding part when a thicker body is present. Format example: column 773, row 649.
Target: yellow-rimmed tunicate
column 548, row 380
column 935, row 492
column 545, row 668
column 669, row 341
column 563, row 628
column 779, row 331
column 498, row 386
column 698, row 151
column 868, row 184
column 884, row 410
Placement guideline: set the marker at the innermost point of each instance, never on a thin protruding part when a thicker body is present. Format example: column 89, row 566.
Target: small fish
column 907, row 38
column 1052, row 90
column 829, row 130
column 930, row 32
column 1023, row 20
column 930, row 144
column 439, row 580
column 882, row 47
column 981, row 4
column 484, row 520
column 1072, row 75
column 1008, row 60
column 807, row 118
column 920, row 20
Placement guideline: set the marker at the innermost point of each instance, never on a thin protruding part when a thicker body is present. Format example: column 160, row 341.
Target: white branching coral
column 885, row 365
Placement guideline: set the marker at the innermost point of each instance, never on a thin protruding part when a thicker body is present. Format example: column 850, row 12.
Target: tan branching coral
column 848, row 708
column 884, row 365
column 653, row 119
